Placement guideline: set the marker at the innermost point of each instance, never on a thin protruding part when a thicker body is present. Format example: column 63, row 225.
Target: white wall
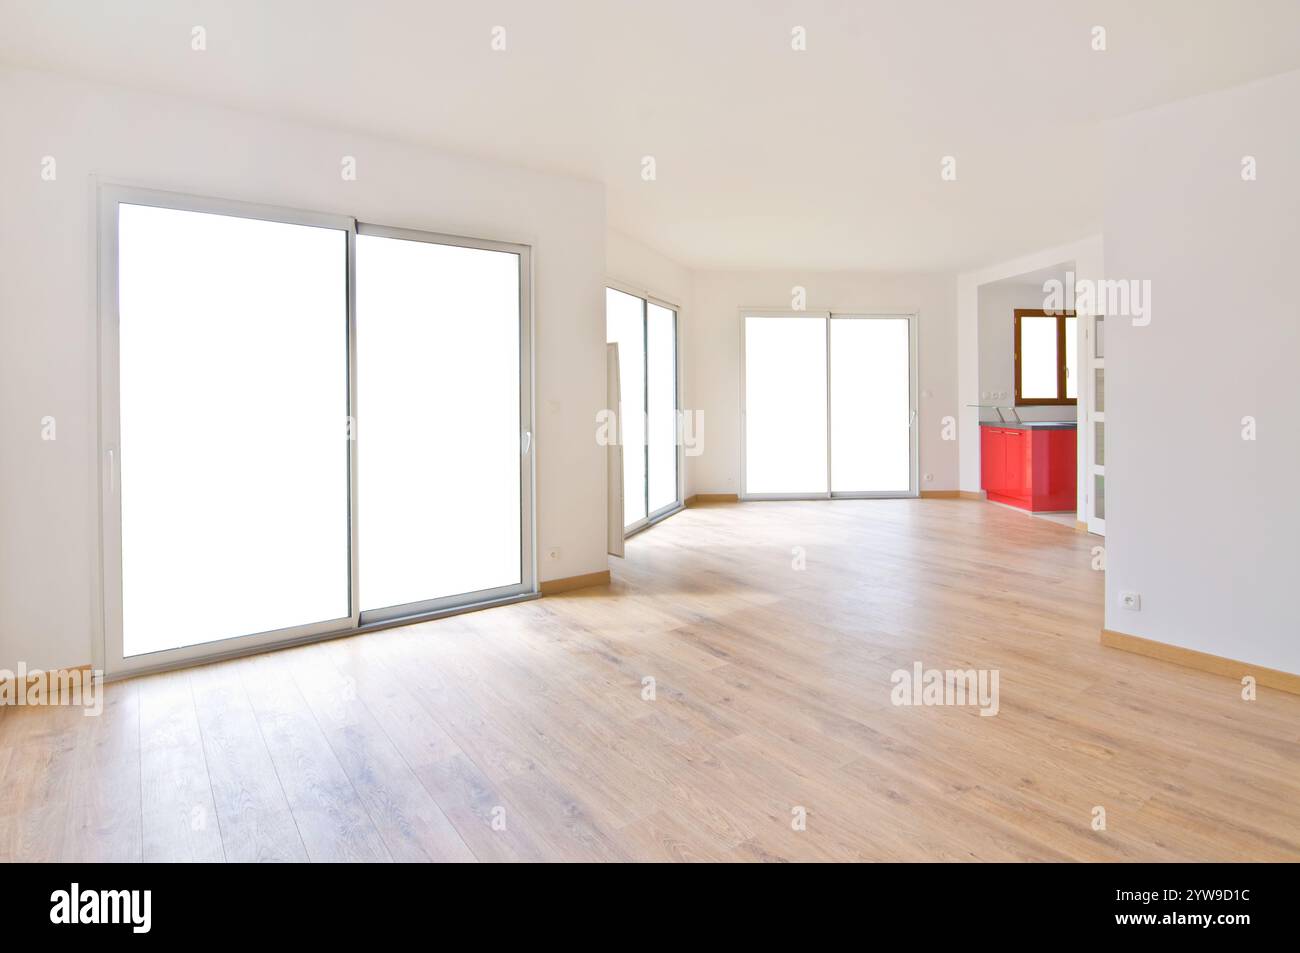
column 713, row 381
column 1199, row 521
column 997, row 307
column 49, row 613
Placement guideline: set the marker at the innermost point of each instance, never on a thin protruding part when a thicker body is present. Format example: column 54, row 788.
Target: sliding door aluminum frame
column 913, row 377
column 110, row 651
column 669, row 509
column 415, row 611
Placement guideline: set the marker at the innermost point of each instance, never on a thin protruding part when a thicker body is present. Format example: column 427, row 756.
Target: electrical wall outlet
column 553, row 552
column 1130, row 600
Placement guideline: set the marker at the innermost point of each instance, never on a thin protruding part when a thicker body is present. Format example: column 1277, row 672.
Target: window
column 646, row 335
column 310, row 426
column 1046, row 357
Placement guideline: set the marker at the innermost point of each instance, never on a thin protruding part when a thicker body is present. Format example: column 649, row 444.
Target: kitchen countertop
column 1033, row 424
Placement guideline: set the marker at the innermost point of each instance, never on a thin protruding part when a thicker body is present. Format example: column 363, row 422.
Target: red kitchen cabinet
column 1016, row 482
column 992, row 459
column 1029, row 467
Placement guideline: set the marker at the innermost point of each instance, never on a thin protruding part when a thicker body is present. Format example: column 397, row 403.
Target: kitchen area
column 1029, row 393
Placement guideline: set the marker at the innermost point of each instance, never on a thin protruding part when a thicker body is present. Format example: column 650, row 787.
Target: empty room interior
column 593, row 431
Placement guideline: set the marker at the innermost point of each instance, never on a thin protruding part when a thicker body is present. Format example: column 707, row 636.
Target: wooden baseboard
column 50, row 682
column 1205, row 662
column 551, row 586
column 699, row 498
column 972, row 494
column 1080, row 526
column 953, row 495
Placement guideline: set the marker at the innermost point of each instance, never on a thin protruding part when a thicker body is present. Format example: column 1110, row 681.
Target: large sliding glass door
column 829, row 405
column 785, row 405
column 871, row 405
column 661, row 408
column 625, row 326
column 307, row 426
column 439, row 418
column 232, row 461
column 646, row 334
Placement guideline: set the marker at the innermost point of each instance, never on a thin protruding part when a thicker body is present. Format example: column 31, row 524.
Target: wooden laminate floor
column 522, row 733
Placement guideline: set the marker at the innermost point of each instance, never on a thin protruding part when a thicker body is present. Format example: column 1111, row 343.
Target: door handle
column 525, row 441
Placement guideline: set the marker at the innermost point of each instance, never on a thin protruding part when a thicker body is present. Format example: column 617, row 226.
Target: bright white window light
column 661, row 393
column 1037, row 358
column 438, row 420
column 1072, row 358
column 785, row 405
column 233, row 456
column 625, row 327
column 871, row 438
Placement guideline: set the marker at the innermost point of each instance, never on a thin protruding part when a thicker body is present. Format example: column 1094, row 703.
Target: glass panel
column 1072, row 358
column 871, row 406
column 1037, row 357
column 1099, row 337
column 785, row 405
column 1099, row 443
column 1099, row 390
column 234, row 453
column 1099, row 495
column 437, row 420
column 661, row 370
column 624, row 326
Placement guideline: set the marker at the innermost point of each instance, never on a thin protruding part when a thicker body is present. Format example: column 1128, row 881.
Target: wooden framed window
column 1046, row 357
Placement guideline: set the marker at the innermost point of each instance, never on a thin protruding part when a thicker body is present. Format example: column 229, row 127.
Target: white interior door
column 1095, row 438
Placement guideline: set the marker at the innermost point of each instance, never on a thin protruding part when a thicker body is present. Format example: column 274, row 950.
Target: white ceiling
column 823, row 159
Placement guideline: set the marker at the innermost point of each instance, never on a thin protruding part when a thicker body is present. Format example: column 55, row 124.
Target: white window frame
column 647, row 299
column 912, row 318
column 111, row 657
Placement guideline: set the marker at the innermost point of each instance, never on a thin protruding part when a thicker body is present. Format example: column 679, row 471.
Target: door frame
column 425, row 608
column 912, row 318
column 614, row 479
column 115, row 664
column 913, row 382
column 823, row 316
